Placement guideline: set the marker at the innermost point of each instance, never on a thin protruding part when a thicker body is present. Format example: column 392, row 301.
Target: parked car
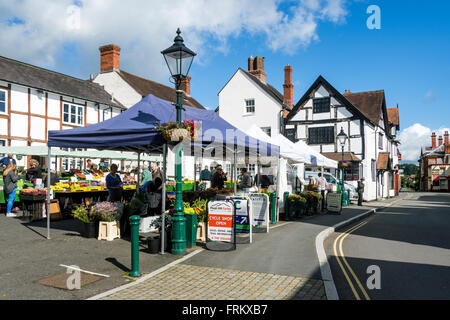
column 332, row 182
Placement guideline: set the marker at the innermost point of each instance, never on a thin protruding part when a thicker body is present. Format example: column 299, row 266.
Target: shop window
column 351, row 173
column 2, row 101
column 321, row 105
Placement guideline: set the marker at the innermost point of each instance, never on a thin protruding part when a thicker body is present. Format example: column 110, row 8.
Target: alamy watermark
column 374, row 280
column 74, row 280
column 374, row 20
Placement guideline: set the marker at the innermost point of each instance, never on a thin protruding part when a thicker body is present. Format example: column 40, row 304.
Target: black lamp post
column 179, row 60
column 342, row 138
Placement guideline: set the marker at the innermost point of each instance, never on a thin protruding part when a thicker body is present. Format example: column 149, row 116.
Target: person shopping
column 10, row 179
column 246, row 181
column 219, row 178
column 114, row 185
column 322, row 185
column 360, row 191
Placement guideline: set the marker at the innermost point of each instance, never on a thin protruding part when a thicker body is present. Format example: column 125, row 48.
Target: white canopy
column 287, row 149
column 316, row 158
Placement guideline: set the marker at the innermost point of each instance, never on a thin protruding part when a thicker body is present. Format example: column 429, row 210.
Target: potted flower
column 108, row 214
column 90, row 227
column 316, row 198
column 154, row 243
column 199, row 206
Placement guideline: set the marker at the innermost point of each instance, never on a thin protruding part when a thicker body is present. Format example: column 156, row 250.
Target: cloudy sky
column 408, row 57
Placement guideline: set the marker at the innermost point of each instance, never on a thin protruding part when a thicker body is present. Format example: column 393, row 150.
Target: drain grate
column 60, row 280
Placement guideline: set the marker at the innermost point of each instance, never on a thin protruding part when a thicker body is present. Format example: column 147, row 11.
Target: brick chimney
column 440, row 141
column 109, row 58
column 250, row 63
column 257, row 68
column 433, row 140
column 447, row 144
column 186, row 85
column 288, row 87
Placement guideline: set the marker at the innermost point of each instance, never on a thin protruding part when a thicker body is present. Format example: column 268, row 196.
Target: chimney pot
column 109, row 58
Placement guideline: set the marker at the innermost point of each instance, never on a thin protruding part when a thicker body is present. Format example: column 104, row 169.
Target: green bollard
column 286, row 206
column 134, row 223
column 273, row 204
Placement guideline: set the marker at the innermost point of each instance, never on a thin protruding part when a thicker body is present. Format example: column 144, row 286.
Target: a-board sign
column 260, row 204
column 334, row 202
column 220, row 221
column 242, row 216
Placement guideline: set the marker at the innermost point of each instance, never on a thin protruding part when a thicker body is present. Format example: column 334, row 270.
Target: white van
column 332, row 182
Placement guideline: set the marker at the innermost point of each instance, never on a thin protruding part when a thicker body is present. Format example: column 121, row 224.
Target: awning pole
column 279, row 189
column 235, row 170
column 163, row 198
column 139, row 171
column 48, row 191
column 195, row 173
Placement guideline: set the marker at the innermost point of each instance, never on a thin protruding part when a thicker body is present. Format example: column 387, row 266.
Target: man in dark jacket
column 156, row 173
column 219, row 178
column 246, row 181
column 205, row 175
column 360, row 191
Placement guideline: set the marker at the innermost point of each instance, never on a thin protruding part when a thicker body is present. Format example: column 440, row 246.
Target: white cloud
column 414, row 138
column 37, row 31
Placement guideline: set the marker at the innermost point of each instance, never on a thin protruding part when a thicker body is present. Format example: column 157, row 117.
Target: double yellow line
column 339, row 254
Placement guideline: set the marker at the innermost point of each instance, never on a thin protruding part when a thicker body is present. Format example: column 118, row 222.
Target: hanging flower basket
column 174, row 132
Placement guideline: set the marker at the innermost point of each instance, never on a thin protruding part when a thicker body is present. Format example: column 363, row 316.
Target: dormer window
column 321, row 105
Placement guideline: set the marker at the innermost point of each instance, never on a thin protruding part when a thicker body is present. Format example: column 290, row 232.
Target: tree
column 409, row 168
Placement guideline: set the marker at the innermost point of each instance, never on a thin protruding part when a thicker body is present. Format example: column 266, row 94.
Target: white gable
column 232, row 104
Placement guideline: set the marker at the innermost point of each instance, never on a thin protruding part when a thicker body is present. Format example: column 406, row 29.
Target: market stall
column 136, row 130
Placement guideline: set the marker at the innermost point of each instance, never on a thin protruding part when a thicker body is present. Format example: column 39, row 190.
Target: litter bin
column 191, row 229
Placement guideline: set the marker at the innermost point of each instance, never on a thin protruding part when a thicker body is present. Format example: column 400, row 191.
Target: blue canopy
column 135, row 130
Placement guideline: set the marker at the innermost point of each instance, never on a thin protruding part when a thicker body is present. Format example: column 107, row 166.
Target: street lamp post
column 179, row 60
column 342, row 138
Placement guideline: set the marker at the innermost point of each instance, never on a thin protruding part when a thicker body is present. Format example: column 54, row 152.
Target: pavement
column 282, row 264
column 408, row 244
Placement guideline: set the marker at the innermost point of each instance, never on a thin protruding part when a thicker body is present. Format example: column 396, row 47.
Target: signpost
column 260, row 210
column 221, row 229
column 334, row 202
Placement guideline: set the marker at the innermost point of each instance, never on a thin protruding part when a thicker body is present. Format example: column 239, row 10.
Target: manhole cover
column 60, row 280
